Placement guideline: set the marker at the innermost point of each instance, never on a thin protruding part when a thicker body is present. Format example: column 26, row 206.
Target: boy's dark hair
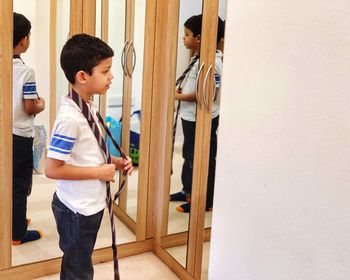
column 21, row 28
column 83, row 52
column 194, row 24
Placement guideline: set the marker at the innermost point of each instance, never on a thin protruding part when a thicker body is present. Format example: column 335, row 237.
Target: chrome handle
column 134, row 58
column 204, row 88
column 126, row 58
column 123, row 57
column 214, row 90
column 197, row 80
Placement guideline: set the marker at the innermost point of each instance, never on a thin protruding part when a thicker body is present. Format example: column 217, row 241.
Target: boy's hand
column 34, row 106
column 124, row 165
column 40, row 103
column 107, row 172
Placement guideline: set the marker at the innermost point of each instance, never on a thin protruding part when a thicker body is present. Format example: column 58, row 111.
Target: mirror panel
column 136, row 56
column 39, row 201
column 114, row 97
column 178, row 222
column 213, row 143
column 116, row 10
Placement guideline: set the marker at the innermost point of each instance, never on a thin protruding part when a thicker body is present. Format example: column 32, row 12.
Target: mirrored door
column 184, row 124
column 37, row 56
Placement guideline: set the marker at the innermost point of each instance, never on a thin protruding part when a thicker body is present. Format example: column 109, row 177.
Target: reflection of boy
column 26, row 104
column 187, row 95
column 77, row 159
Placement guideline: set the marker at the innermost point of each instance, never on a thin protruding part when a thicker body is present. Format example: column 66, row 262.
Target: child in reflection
column 26, row 104
column 76, row 159
column 186, row 94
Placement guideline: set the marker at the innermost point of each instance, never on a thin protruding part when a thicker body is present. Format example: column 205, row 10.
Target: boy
column 26, row 104
column 76, row 159
column 187, row 111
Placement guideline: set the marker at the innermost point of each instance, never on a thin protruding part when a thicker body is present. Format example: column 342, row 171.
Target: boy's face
column 101, row 78
column 191, row 42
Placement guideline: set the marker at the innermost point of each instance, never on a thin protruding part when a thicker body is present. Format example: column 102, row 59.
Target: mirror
column 39, row 202
column 38, row 57
column 136, row 69
column 116, row 10
column 181, row 178
column 219, row 58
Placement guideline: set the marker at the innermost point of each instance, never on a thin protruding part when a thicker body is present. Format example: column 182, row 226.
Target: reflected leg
column 189, row 130
column 22, row 180
column 212, row 163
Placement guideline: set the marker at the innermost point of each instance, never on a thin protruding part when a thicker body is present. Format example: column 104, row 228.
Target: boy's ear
column 80, row 77
column 198, row 38
column 23, row 42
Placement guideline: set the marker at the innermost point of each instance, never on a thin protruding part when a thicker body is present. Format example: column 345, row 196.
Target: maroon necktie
column 101, row 141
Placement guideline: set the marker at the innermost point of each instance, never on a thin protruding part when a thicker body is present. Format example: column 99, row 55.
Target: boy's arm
column 58, row 169
column 122, row 164
column 34, row 106
column 185, row 97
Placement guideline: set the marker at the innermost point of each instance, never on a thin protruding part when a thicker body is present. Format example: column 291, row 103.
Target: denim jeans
column 189, row 131
column 77, row 240
column 22, row 183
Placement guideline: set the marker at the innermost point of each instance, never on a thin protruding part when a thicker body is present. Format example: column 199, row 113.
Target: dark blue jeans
column 22, row 183
column 77, row 240
column 189, row 131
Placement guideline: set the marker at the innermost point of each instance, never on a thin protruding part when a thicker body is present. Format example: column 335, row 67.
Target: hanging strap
column 94, row 127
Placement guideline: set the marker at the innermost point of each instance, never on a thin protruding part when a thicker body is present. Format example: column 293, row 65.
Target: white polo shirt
column 24, row 87
column 73, row 142
column 188, row 108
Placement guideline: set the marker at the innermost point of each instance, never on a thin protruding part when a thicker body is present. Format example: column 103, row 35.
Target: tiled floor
column 140, row 267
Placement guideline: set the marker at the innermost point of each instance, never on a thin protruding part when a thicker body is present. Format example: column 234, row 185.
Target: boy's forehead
column 107, row 62
column 188, row 31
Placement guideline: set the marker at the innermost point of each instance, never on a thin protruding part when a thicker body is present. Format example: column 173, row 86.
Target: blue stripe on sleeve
column 61, row 144
column 64, row 137
column 59, row 151
column 217, row 79
column 29, row 88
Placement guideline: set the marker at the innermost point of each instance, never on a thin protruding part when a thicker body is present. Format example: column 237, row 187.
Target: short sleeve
column 217, row 80
column 62, row 140
column 29, row 87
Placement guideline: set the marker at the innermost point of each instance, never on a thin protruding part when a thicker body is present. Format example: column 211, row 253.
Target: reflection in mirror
column 39, row 211
column 114, row 97
column 136, row 69
column 184, row 124
column 38, row 215
column 213, row 138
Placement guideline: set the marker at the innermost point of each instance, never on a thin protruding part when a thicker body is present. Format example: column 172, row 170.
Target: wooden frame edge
column 125, row 218
column 6, row 50
column 178, row 239
column 171, row 263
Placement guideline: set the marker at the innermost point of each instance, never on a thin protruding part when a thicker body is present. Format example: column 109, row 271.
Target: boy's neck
column 18, row 50
column 82, row 93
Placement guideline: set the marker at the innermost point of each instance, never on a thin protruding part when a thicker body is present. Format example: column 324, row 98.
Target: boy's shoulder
column 69, row 111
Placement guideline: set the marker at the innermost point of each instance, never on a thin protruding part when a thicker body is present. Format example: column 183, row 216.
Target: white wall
column 38, row 54
column 282, row 205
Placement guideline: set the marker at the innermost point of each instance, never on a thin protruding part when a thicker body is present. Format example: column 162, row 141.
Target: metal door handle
column 197, row 80
column 205, row 102
column 123, row 57
column 126, row 58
